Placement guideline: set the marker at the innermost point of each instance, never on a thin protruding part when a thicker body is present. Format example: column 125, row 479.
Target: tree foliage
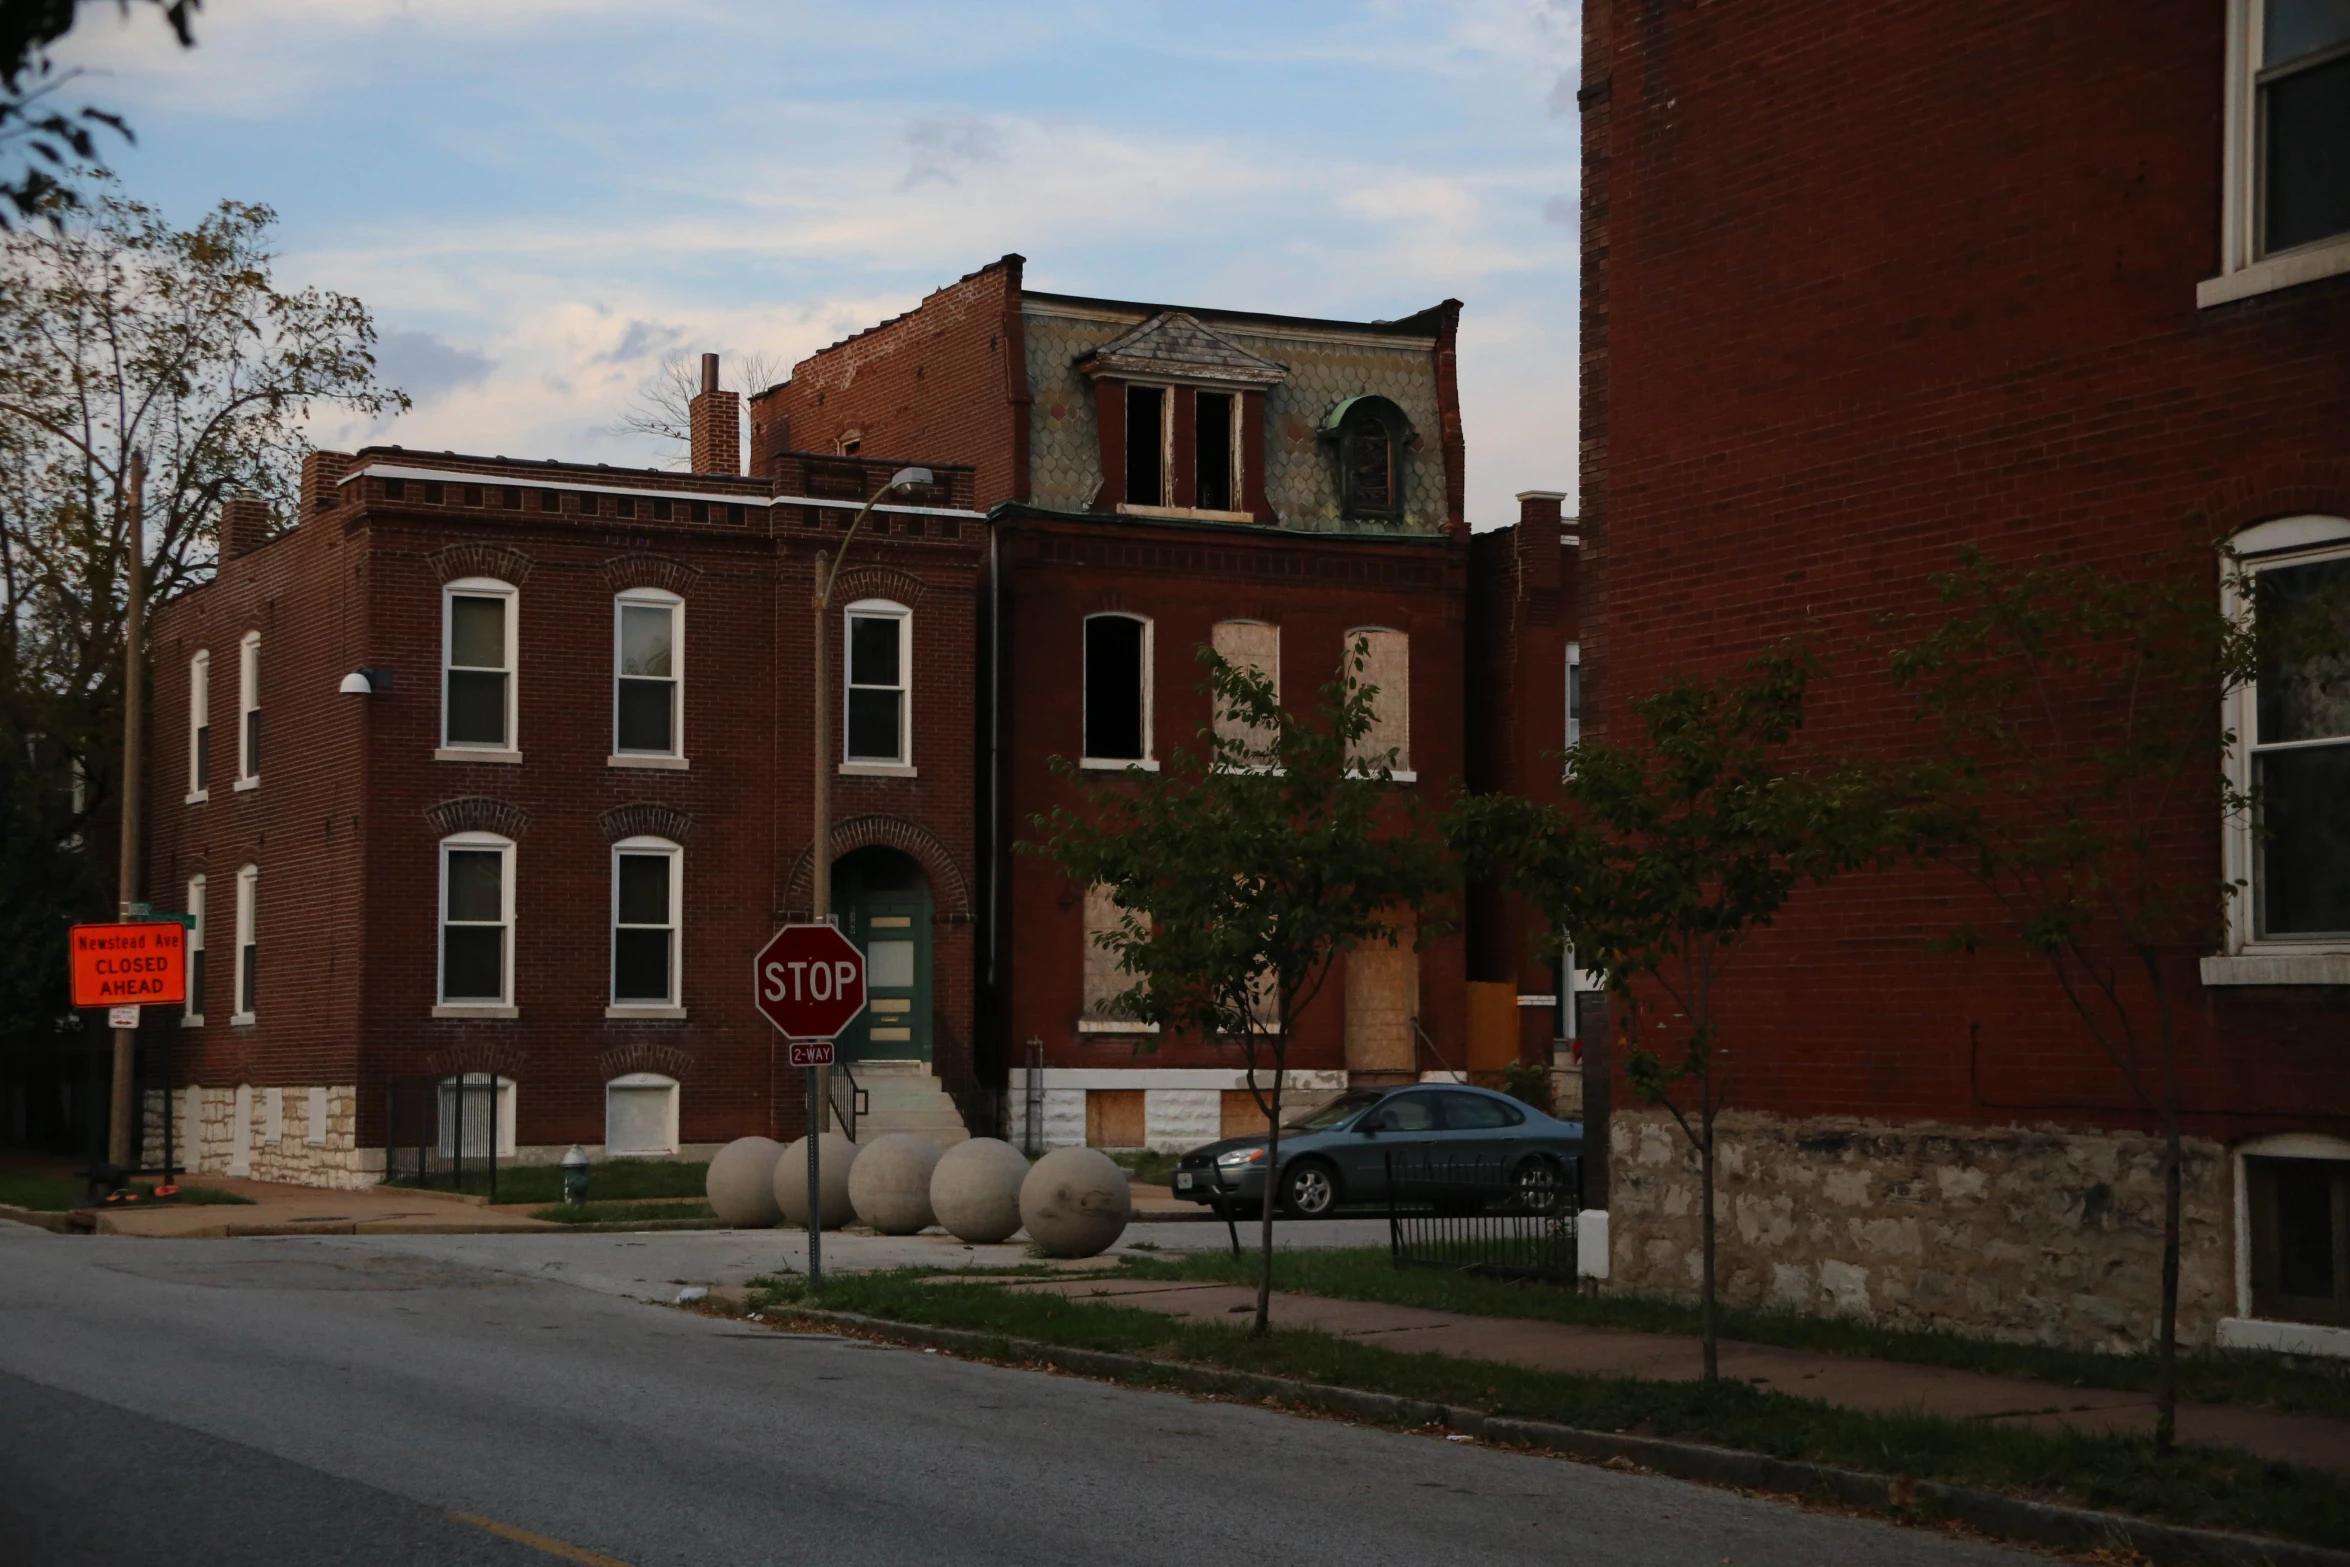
column 43, row 144
column 1665, row 855
column 118, row 332
column 1261, row 851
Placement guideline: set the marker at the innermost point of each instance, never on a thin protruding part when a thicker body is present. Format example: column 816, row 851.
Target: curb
column 38, row 1218
column 1921, row 1501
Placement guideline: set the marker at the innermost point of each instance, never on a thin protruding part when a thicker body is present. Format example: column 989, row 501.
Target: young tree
column 1264, row 850
column 1664, row 856
column 2076, row 713
column 119, row 332
column 660, row 410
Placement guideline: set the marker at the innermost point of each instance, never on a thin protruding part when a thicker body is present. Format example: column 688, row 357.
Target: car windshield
column 1336, row 1113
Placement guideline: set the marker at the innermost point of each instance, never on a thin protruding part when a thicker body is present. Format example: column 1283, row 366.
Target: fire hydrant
column 575, row 1177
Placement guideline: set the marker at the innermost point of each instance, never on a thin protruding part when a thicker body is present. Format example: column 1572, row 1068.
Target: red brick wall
column 1315, row 587
column 1859, row 289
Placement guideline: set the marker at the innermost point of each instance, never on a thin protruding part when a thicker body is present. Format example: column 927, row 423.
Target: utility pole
column 118, row 1132
column 820, row 845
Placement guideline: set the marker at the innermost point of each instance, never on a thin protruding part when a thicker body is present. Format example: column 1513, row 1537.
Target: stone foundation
column 2032, row 1235
column 307, row 1136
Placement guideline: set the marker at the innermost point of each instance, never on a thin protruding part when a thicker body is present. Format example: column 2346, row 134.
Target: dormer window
column 1180, row 410
column 1372, row 436
column 1146, row 446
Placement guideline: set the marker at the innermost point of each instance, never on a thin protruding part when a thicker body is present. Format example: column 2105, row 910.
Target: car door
column 1402, row 1127
column 1480, row 1132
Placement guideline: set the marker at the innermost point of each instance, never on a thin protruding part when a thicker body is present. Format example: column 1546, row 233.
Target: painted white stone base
column 307, row 1136
column 1182, row 1107
column 2284, row 1338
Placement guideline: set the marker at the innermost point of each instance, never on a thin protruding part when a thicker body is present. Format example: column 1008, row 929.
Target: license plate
column 1183, row 1181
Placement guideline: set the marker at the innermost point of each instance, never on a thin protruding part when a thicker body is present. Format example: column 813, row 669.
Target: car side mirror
column 1369, row 1126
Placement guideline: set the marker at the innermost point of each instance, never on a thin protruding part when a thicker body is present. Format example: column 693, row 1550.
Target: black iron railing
column 437, row 1129
column 1511, row 1215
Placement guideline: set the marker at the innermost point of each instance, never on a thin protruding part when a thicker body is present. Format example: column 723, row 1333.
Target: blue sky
column 540, row 198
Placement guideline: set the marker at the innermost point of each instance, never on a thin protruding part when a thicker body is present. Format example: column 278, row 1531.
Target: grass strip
column 2291, row 1383
column 56, row 1193
column 619, row 1212
column 2204, row 1487
column 609, row 1180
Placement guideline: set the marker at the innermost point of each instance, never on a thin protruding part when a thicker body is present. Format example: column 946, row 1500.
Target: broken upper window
column 1117, row 692
column 1372, row 437
column 1213, row 467
column 1146, row 446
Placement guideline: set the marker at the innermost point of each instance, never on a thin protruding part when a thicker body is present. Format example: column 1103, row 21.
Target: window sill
column 2279, row 968
column 877, row 770
column 672, row 764
column 1184, row 513
column 197, row 797
column 1112, row 764
column 1112, row 1025
column 191, row 1020
column 1402, row 775
column 2289, row 1338
column 466, row 753
column 646, row 1014
column 2319, row 259
column 241, row 1020
column 243, row 784
column 467, row 1009
column 1252, row 769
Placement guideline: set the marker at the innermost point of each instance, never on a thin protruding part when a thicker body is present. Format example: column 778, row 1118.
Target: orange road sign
column 144, row 964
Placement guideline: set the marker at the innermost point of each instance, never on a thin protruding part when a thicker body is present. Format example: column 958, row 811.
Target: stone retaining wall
column 229, row 1131
column 2035, row 1235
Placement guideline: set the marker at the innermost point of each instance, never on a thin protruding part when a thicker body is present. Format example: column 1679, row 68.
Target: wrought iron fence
column 436, row 1129
column 1495, row 1214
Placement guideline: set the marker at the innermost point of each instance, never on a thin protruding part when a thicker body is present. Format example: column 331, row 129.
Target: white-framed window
column 1104, row 980
column 477, row 1115
column 648, row 884
column 1574, row 729
column 1149, row 442
column 477, row 920
column 877, row 727
column 1117, row 691
column 1247, row 644
column 249, row 710
column 192, row 1013
column 2292, row 1193
column 200, row 726
column 248, row 976
column 640, row 1116
column 478, row 616
column 2292, row 751
column 1387, row 664
column 648, row 674
column 2285, row 183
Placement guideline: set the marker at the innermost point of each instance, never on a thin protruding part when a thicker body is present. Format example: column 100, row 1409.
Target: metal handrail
column 1457, row 1075
column 859, row 1103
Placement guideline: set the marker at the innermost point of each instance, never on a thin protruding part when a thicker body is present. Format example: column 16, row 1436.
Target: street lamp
column 827, row 574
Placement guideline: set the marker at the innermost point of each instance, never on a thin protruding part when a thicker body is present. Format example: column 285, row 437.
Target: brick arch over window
column 2280, row 489
column 950, row 889
column 476, row 813
column 479, row 1055
column 878, row 582
column 645, row 1055
column 646, row 819
column 651, row 571
column 481, row 560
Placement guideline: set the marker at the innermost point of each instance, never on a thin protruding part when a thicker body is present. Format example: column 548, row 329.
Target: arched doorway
column 884, row 904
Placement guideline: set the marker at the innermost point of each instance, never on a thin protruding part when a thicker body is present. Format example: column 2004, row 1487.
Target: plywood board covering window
column 1254, row 645
column 1114, row 1118
column 1382, row 998
column 1387, row 666
column 1104, row 979
column 1241, row 1116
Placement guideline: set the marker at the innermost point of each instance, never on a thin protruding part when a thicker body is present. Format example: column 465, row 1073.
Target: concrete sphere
column 1075, row 1202
column 889, row 1185
column 836, row 1154
column 975, row 1191
column 741, row 1183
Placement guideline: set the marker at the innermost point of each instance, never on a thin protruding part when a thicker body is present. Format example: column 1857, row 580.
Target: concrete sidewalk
column 278, row 1209
column 1851, row 1382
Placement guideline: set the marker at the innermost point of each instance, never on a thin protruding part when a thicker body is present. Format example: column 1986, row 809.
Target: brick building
column 2108, row 317
column 536, row 776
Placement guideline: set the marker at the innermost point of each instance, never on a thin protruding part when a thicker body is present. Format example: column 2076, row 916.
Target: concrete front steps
column 903, row 1096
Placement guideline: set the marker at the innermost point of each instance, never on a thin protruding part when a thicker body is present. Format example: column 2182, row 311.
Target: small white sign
column 122, row 1017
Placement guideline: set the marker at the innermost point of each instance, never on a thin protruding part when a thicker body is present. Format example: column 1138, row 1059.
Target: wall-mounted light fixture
column 365, row 682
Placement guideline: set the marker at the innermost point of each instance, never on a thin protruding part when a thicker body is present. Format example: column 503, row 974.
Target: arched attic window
column 1372, row 436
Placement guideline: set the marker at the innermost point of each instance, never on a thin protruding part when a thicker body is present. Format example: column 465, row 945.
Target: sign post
column 809, row 981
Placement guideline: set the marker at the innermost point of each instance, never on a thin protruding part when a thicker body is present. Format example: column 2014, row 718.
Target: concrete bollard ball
column 836, row 1155
column 1075, row 1203
column 975, row 1191
column 741, row 1183
column 889, row 1185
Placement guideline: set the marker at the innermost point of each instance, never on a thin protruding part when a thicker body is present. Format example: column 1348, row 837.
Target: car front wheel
column 1309, row 1191
column 1541, row 1189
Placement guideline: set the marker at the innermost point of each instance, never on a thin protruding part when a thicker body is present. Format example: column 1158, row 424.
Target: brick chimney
column 1539, row 525
column 717, row 420
column 244, row 522
column 322, row 477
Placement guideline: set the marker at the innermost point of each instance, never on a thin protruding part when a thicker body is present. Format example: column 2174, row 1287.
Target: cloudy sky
column 539, row 199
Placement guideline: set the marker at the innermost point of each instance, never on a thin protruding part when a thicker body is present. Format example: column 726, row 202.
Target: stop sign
column 809, row 981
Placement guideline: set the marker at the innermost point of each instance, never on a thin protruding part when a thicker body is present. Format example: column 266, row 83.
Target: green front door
column 893, row 928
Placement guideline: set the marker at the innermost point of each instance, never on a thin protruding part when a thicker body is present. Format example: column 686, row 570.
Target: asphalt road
column 330, row 1401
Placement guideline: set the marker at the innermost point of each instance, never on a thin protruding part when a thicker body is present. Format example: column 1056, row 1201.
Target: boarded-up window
column 1242, row 1118
column 1114, row 1118
column 1248, row 644
column 1387, row 665
column 1104, row 979
column 1382, row 998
